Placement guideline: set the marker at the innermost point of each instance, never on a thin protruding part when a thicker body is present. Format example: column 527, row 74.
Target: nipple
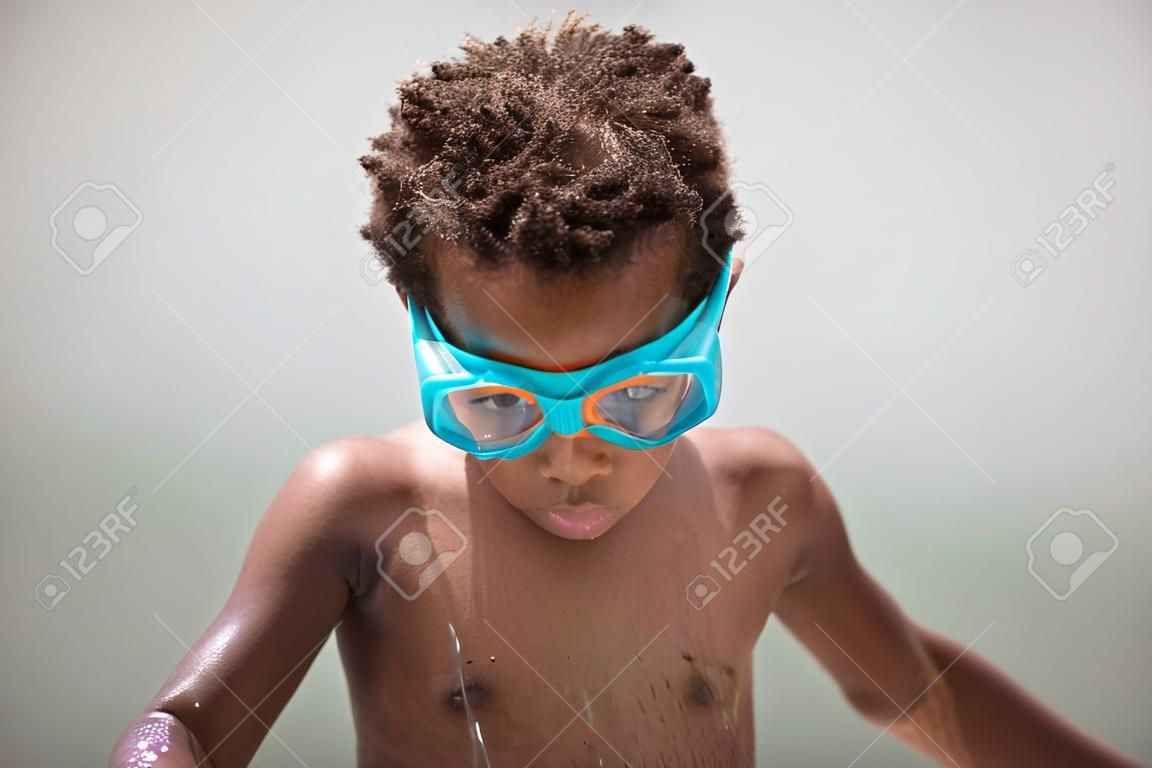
column 474, row 693
column 714, row 685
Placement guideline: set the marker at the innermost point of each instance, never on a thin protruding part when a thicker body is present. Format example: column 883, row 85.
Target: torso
column 572, row 653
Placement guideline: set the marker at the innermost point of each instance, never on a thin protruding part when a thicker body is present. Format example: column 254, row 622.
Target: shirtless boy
column 558, row 566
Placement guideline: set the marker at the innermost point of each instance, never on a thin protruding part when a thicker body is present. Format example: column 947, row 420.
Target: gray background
column 914, row 185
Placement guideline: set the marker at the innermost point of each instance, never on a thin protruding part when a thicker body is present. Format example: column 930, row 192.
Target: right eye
column 642, row 392
column 498, row 401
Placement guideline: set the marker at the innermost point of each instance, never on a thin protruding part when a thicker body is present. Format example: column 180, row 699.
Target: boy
column 559, row 567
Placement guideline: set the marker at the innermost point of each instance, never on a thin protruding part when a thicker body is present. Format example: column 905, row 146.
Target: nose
column 573, row 459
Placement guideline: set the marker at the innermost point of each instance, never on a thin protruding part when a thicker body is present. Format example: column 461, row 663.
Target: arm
column 927, row 691
column 300, row 572
column 1009, row 726
column 164, row 738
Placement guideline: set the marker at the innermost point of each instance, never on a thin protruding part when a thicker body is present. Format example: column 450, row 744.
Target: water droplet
column 479, row 751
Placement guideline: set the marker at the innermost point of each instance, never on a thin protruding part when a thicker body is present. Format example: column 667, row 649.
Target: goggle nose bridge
column 564, row 417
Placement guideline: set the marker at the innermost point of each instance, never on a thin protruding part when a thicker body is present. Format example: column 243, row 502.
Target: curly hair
column 554, row 153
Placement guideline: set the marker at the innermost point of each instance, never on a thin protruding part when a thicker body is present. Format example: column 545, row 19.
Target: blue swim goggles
column 642, row 398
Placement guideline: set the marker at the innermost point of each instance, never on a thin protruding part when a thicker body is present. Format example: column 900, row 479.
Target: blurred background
column 945, row 306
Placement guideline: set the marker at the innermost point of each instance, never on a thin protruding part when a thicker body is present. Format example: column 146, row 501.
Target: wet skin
column 550, row 626
column 571, row 652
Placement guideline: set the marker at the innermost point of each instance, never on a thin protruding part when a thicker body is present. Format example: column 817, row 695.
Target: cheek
column 638, row 471
column 515, row 480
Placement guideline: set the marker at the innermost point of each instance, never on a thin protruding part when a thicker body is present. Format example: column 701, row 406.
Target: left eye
column 642, row 392
column 497, row 402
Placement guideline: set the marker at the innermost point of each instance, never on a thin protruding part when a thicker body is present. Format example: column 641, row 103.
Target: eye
column 497, row 402
column 642, row 392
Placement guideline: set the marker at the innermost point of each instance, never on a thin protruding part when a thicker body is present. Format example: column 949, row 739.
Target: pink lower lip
column 586, row 521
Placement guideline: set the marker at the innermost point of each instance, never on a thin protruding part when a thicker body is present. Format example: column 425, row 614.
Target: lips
column 581, row 521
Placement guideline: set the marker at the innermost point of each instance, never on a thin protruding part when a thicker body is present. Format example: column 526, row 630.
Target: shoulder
column 342, row 494
column 753, row 455
column 773, row 473
column 350, row 468
column 355, row 472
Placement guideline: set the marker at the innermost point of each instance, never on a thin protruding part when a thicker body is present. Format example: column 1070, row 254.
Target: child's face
column 511, row 315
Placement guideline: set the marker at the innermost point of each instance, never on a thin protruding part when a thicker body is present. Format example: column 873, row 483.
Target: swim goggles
column 642, row 398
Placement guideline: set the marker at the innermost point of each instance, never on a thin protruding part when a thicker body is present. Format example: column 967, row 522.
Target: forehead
column 516, row 315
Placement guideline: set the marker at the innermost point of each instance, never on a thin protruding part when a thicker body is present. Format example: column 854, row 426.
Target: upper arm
column 297, row 578
column 832, row 605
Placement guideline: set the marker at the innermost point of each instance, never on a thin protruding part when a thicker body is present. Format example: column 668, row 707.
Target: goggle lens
column 494, row 416
column 645, row 406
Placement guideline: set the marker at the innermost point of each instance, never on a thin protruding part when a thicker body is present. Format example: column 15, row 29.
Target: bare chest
column 493, row 638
